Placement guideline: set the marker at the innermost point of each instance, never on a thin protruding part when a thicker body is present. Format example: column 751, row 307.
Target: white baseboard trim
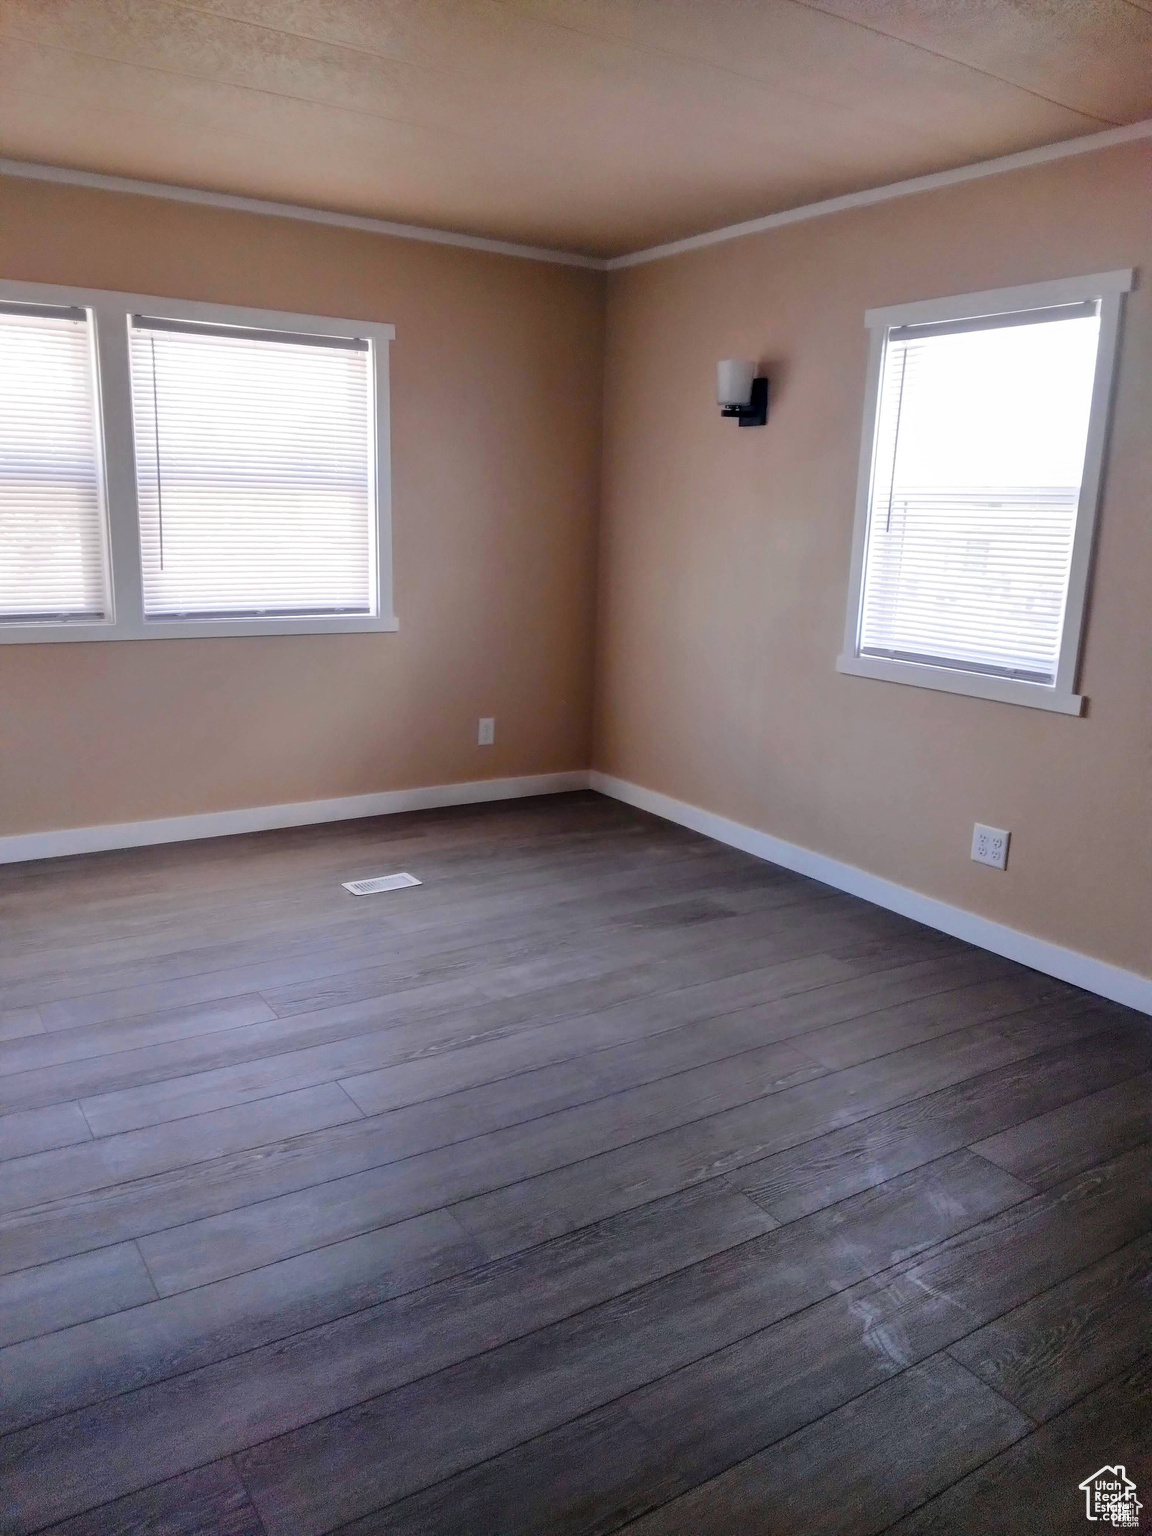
column 1069, row 965
column 21, row 846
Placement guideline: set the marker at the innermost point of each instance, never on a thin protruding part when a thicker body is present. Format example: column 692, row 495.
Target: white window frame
column 110, row 317
column 1108, row 288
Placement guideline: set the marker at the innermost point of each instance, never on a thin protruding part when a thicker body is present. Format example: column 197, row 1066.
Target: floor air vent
column 379, row 883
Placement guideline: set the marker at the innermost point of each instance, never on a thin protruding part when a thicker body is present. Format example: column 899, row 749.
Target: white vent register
column 380, row 883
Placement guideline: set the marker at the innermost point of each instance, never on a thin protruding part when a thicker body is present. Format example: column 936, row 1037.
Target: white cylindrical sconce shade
column 734, row 381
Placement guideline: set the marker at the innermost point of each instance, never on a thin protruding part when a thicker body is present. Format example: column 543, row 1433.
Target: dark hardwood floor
column 609, row 1180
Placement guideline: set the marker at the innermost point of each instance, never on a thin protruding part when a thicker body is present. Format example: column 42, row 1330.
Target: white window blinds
column 52, row 545
column 255, row 465
column 979, row 453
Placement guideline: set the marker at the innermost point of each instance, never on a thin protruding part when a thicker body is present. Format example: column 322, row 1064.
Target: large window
column 169, row 469
column 980, row 473
column 52, row 549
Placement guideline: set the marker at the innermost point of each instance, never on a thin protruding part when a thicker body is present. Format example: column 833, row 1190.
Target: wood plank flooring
column 610, row 1180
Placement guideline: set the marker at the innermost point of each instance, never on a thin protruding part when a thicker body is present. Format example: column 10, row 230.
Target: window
column 979, row 477
column 170, row 468
column 53, row 565
column 254, row 471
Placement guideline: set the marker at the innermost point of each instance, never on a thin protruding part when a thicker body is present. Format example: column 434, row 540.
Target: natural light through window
column 979, row 456
column 52, row 547
column 978, row 490
column 171, row 468
column 255, row 472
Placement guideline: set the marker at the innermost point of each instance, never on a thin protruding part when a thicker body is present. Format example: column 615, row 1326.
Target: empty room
column 575, row 767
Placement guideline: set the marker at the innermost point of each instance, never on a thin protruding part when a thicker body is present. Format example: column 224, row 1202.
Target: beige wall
column 496, row 375
column 724, row 553
column 724, row 564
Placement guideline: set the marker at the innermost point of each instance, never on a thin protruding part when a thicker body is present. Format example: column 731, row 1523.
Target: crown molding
column 1109, row 138
column 1087, row 144
column 97, row 179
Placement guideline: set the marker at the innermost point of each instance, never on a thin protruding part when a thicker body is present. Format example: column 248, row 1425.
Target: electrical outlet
column 990, row 846
column 487, row 732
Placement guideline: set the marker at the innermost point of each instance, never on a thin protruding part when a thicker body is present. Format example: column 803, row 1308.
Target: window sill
column 1004, row 690
column 192, row 629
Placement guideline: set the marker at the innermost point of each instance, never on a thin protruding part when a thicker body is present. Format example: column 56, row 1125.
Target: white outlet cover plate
column 486, row 735
column 990, row 845
column 380, row 883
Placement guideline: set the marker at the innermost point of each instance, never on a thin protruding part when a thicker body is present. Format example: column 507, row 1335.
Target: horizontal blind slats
column 52, row 560
column 979, row 451
column 255, row 474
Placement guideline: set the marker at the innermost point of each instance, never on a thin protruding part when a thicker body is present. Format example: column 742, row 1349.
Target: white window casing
column 235, row 478
column 985, row 428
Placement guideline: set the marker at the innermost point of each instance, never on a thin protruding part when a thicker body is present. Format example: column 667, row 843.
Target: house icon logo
column 1110, row 1495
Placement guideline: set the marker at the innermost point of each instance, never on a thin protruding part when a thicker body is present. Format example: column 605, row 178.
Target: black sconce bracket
column 755, row 413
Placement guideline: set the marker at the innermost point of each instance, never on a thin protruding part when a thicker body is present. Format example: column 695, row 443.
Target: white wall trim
column 32, row 171
column 22, row 846
column 1002, row 301
column 1069, row 965
column 1085, row 145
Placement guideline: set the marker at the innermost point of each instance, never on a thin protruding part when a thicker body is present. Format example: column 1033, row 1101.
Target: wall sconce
column 741, row 393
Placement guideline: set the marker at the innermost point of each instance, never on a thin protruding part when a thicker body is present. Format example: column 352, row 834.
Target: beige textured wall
column 725, row 552
column 496, row 375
